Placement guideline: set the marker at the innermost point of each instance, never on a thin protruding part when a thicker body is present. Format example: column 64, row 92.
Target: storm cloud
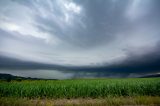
column 99, row 38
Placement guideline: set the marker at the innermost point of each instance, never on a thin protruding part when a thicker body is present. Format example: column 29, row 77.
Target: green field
column 82, row 88
column 141, row 88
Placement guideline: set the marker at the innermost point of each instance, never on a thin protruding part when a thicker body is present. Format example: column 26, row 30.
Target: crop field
column 81, row 88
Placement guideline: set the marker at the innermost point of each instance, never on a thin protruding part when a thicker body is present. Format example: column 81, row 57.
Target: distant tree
column 9, row 79
column 19, row 79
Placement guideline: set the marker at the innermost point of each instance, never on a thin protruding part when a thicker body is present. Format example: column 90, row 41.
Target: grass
column 111, row 101
column 88, row 88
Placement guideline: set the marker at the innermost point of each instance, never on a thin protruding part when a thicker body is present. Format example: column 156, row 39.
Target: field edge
column 112, row 101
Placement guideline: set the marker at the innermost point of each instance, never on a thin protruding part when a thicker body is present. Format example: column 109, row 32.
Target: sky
column 80, row 38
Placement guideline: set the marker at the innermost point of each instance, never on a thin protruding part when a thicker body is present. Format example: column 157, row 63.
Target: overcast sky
column 94, row 38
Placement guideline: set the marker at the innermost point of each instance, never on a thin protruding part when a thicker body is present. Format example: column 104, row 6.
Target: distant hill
column 12, row 77
column 9, row 77
column 3, row 76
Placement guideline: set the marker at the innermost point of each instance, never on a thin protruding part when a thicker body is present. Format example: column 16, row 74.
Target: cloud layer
column 102, row 36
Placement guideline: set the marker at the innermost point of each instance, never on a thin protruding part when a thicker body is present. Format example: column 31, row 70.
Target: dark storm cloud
column 97, row 25
column 121, row 71
column 12, row 63
column 135, row 62
column 140, row 65
column 99, row 38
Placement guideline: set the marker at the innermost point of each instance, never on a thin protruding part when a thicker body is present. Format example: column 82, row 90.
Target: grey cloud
column 40, row 70
column 101, row 24
column 89, row 38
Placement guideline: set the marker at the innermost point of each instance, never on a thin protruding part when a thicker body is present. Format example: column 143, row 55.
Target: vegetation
column 80, row 92
column 110, row 101
column 81, row 88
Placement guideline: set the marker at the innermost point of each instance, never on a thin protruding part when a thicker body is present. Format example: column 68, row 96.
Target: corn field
column 81, row 88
